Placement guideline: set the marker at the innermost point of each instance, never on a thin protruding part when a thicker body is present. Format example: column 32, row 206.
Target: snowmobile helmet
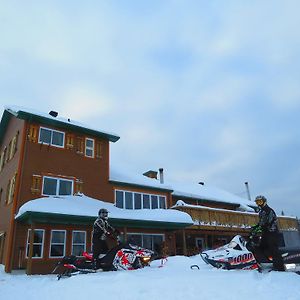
column 103, row 213
column 260, row 200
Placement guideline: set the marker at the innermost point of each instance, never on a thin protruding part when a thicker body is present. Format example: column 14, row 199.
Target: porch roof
column 84, row 210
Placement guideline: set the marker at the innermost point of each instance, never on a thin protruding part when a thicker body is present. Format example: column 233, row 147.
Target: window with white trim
column 149, row 241
column 58, row 243
column 52, row 137
column 54, row 186
column 38, row 243
column 134, row 200
column 78, row 242
column 89, row 147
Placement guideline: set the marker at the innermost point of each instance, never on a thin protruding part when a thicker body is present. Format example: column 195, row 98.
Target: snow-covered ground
column 173, row 281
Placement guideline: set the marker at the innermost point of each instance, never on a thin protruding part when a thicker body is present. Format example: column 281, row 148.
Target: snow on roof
column 211, row 193
column 134, row 179
column 82, row 205
column 15, row 110
column 191, row 190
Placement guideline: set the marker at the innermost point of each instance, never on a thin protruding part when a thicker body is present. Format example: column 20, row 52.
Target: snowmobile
column 125, row 256
column 238, row 254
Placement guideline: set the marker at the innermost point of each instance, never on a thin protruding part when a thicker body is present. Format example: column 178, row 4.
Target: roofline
column 122, row 183
column 30, row 217
column 33, row 117
column 207, row 200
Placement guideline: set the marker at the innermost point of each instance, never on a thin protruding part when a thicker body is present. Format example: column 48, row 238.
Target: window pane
column 89, row 143
column 57, row 138
column 135, row 239
column 36, row 250
column 89, row 152
column 147, row 241
column 65, row 187
column 154, row 202
column 162, row 202
column 146, row 201
column 78, row 237
column 57, row 250
column 45, row 135
column 77, row 250
column 119, row 199
column 137, row 201
column 58, row 237
column 128, row 200
column 38, row 236
column 49, row 186
column 157, row 241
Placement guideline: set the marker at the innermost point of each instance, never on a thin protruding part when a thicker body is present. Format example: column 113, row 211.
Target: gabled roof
column 35, row 116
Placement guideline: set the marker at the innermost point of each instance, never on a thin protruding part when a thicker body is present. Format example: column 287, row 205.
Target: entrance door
column 200, row 244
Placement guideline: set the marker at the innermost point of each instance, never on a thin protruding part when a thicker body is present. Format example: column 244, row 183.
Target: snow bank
column 175, row 281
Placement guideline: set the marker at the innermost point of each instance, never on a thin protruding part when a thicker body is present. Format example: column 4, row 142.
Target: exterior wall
column 10, row 168
column 43, row 160
column 46, row 264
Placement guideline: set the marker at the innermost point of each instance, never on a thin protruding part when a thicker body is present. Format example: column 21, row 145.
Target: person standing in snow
column 101, row 231
column 270, row 234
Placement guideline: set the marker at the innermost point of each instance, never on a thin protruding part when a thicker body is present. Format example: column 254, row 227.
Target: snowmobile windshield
column 232, row 244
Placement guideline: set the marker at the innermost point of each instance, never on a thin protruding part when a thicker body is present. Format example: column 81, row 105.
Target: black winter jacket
column 102, row 229
column 268, row 219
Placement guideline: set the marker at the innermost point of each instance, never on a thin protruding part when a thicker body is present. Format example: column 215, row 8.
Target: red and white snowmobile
column 125, row 256
column 236, row 255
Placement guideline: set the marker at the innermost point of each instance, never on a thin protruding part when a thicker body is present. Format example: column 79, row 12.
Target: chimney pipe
column 161, row 175
column 247, row 189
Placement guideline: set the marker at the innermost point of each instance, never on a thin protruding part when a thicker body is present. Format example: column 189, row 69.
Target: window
column 89, row 147
column 52, row 137
column 78, row 242
column 38, row 243
column 149, row 241
column 57, row 243
column 57, row 186
column 130, row 200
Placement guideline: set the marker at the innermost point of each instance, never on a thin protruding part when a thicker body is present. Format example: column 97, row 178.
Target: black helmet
column 260, row 200
column 103, row 213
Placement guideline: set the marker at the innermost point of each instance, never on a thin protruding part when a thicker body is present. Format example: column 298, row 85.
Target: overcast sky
column 208, row 90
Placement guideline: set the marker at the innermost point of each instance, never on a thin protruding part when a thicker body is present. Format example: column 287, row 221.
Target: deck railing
column 211, row 218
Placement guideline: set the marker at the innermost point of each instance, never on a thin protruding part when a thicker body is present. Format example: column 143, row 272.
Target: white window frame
column 28, row 243
column 64, row 243
column 90, row 148
column 151, row 234
column 58, row 179
column 142, row 194
column 52, row 130
column 77, row 244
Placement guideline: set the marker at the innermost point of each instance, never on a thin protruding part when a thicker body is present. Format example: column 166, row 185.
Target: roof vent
column 53, row 113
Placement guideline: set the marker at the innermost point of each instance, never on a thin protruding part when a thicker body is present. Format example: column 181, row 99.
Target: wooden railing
column 209, row 218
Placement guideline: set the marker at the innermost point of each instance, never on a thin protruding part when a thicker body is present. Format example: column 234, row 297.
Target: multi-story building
column 55, row 175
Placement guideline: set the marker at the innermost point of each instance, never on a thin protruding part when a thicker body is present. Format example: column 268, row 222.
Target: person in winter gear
column 268, row 227
column 101, row 231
